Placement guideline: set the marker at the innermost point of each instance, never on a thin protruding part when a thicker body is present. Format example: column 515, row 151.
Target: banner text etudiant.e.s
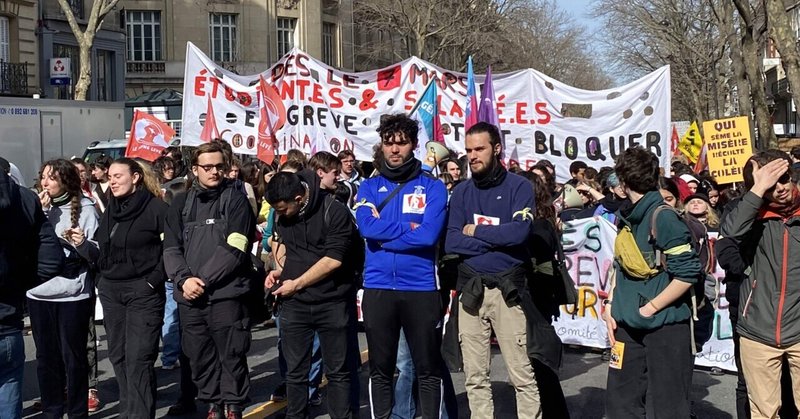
column 540, row 116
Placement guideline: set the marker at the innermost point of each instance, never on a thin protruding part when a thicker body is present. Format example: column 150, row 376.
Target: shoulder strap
column 394, row 193
column 191, row 195
column 654, row 232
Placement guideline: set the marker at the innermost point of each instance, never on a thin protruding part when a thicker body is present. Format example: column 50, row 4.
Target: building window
column 285, row 35
column 329, row 43
column 5, row 44
column 223, row 37
column 144, row 35
column 77, row 8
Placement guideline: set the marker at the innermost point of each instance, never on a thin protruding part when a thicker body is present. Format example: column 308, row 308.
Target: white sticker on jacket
column 485, row 220
column 414, row 203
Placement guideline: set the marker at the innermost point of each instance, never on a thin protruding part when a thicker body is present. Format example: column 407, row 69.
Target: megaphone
column 435, row 153
column 572, row 198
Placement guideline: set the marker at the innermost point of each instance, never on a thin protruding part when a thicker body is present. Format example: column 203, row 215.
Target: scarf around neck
column 492, row 177
column 61, row 199
column 785, row 210
column 403, row 173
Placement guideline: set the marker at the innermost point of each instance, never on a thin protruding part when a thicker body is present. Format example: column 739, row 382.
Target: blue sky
column 579, row 10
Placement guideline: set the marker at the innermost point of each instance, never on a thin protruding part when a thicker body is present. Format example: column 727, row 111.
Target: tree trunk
column 781, row 32
column 85, row 69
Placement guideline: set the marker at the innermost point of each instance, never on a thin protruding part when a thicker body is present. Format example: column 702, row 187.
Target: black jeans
column 332, row 321
column 420, row 315
column 60, row 331
column 655, row 376
column 133, row 314
column 216, row 338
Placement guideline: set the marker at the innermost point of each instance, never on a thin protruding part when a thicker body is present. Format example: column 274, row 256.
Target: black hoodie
column 30, row 251
column 311, row 235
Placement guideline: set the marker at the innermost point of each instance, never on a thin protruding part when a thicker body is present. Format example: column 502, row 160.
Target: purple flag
column 487, row 112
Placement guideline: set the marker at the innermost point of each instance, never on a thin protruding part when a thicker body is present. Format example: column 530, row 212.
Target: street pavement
column 583, row 378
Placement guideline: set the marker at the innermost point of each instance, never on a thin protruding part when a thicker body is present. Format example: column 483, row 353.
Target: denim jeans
column 404, row 405
column 12, row 367
column 315, row 375
column 170, row 335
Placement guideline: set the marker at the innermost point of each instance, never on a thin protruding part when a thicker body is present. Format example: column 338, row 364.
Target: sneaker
column 315, row 400
column 233, row 412
column 181, row 408
column 215, row 412
column 279, row 395
column 94, row 401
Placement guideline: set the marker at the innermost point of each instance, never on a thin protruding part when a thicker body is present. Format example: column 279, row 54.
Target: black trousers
column 133, row 314
column 59, row 332
column 420, row 316
column 656, row 374
column 216, row 338
column 332, row 321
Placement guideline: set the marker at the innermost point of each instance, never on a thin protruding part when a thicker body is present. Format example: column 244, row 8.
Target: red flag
column 210, row 131
column 702, row 160
column 149, row 135
column 272, row 116
column 471, row 110
column 675, row 141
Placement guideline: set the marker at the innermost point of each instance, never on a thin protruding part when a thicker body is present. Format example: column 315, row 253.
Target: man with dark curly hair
column 650, row 371
column 401, row 214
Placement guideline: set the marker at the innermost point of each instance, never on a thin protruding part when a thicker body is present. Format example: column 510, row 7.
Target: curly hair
column 391, row 125
column 638, row 170
column 65, row 172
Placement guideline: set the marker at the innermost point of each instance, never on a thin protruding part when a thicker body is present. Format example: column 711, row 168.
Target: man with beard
column 401, row 214
column 490, row 223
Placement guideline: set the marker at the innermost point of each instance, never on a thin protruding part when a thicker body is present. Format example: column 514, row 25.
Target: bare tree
column 507, row 34
column 643, row 35
column 747, row 59
column 85, row 38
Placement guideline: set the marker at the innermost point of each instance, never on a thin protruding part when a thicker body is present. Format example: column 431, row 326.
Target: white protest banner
column 589, row 250
column 718, row 351
column 540, row 117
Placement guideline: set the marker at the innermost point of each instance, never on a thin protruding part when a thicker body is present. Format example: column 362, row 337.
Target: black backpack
column 253, row 269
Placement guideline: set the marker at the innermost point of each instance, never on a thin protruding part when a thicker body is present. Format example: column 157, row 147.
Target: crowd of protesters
column 186, row 254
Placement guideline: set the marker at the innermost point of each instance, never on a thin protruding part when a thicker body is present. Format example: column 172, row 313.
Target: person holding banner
column 490, row 225
column 649, row 305
column 766, row 225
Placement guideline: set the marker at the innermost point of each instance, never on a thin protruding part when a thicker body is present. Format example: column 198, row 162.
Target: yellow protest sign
column 729, row 146
column 691, row 143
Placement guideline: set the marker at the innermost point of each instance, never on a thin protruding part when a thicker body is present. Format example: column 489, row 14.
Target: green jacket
column 682, row 263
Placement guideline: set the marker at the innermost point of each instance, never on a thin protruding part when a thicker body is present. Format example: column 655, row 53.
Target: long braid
column 75, row 210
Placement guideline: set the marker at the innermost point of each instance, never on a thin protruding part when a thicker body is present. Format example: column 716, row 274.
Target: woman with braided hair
column 60, row 307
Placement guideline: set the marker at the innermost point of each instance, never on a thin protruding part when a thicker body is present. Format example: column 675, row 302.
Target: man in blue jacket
column 490, row 222
column 401, row 214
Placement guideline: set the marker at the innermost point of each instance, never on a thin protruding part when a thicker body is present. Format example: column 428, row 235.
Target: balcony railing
column 146, row 67
column 13, row 78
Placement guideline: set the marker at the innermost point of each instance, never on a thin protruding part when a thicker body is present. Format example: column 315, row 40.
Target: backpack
column 253, row 269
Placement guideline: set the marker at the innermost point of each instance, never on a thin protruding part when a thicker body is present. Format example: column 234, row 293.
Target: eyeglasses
column 786, row 178
column 207, row 167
